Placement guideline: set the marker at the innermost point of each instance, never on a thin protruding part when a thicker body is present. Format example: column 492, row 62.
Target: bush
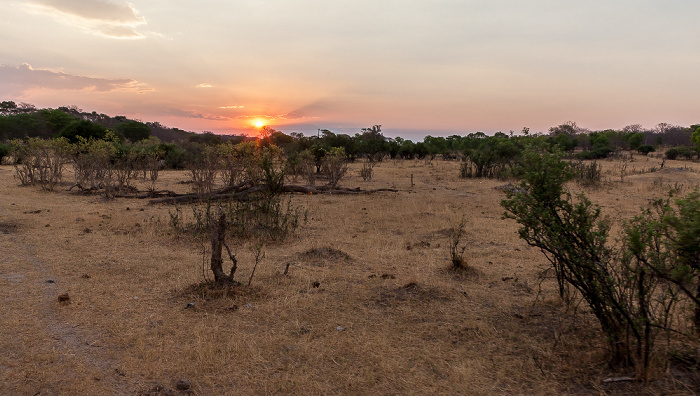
column 40, row 161
column 632, row 290
column 597, row 153
column 4, row 151
column 646, row 149
column 587, row 174
column 334, row 165
column 680, row 151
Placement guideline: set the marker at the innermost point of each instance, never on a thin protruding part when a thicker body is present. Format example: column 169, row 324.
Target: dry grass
column 369, row 305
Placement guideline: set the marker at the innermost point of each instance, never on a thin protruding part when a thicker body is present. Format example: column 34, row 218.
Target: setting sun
column 259, row 124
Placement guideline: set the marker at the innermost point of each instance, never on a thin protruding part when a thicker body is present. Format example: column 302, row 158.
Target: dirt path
column 43, row 352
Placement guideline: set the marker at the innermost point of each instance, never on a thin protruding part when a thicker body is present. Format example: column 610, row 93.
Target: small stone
column 127, row 208
column 183, row 384
column 340, row 328
column 136, row 298
column 64, row 298
column 87, row 230
column 85, row 276
column 316, row 284
column 189, row 305
column 50, row 281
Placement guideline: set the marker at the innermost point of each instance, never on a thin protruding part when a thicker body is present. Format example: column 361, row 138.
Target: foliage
column 635, row 140
column 586, row 174
column 646, row 149
column 680, row 151
column 82, row 128
column 133, row 130
column 492, row 158
column 627, row 301
column 39, row 161
column 695, row 138
column 335, row 166
column 4, row 151
column 665, row 239
column 367, row 171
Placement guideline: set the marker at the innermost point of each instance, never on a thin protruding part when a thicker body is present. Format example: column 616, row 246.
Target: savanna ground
column 369, row 305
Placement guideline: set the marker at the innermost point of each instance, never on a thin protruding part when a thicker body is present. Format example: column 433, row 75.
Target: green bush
column 637, row 290
column 4, row 151
column 680, row 151
column 646, row 149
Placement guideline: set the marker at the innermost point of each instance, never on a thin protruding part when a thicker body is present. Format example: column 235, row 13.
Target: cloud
column 232, row 107
column 203, row 85
column 291, row 116
column 105, row 18
column 21, row 78
column 247, row 117
column 192, row 114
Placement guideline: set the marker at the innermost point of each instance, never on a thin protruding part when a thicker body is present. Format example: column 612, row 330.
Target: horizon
column 416, row 68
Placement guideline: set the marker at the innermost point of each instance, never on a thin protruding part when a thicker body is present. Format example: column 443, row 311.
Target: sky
column 415, row 67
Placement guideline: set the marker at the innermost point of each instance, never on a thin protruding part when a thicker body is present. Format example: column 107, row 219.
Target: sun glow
column 259, row 123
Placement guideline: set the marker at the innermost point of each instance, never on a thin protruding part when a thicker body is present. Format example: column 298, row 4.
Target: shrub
column 646, row 149
column 586, row 174
column 40, row 161
column 335, row 165
column 629, row 300
column 597, row 153
column 367, row 171
column 456, row 246
column 4, row 151
column 680, row 151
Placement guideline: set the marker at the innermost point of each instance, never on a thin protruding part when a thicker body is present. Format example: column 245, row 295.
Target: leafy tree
column 635, row 140
column 133, row 130
column 84, row 129
column 695, row 138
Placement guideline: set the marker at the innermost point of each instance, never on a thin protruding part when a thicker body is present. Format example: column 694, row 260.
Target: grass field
column 369, row 305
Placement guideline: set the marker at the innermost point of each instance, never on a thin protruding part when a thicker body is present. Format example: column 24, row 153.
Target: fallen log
column 241, row 195
column 193, row 198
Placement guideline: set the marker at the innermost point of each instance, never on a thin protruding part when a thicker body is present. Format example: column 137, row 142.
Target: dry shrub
column 40, row 161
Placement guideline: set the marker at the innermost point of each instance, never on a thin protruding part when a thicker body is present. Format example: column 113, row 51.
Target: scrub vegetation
column 559, row 263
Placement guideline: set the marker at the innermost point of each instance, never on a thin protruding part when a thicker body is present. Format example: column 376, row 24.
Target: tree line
column 483, row 152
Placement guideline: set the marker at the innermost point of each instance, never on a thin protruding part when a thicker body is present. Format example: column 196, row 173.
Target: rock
column 340, row 328
column 50, row 281
column 316, row 284
column 189, row 305
column 64, row 298
column 183, row 384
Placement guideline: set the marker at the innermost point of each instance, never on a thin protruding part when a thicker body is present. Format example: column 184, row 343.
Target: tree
column 635, row 140
column 82, row 128
column 133, row 130
column 695, row 138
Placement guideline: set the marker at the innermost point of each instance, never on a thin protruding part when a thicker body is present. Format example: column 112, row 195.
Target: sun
column 259, row 123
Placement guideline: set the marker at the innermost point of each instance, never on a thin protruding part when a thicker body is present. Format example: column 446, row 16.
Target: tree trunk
column 218, row 233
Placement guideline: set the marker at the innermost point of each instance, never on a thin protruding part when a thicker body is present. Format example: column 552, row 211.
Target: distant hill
column 25, row 120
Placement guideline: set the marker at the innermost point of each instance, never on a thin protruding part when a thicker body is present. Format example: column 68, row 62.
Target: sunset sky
column 416, row 67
